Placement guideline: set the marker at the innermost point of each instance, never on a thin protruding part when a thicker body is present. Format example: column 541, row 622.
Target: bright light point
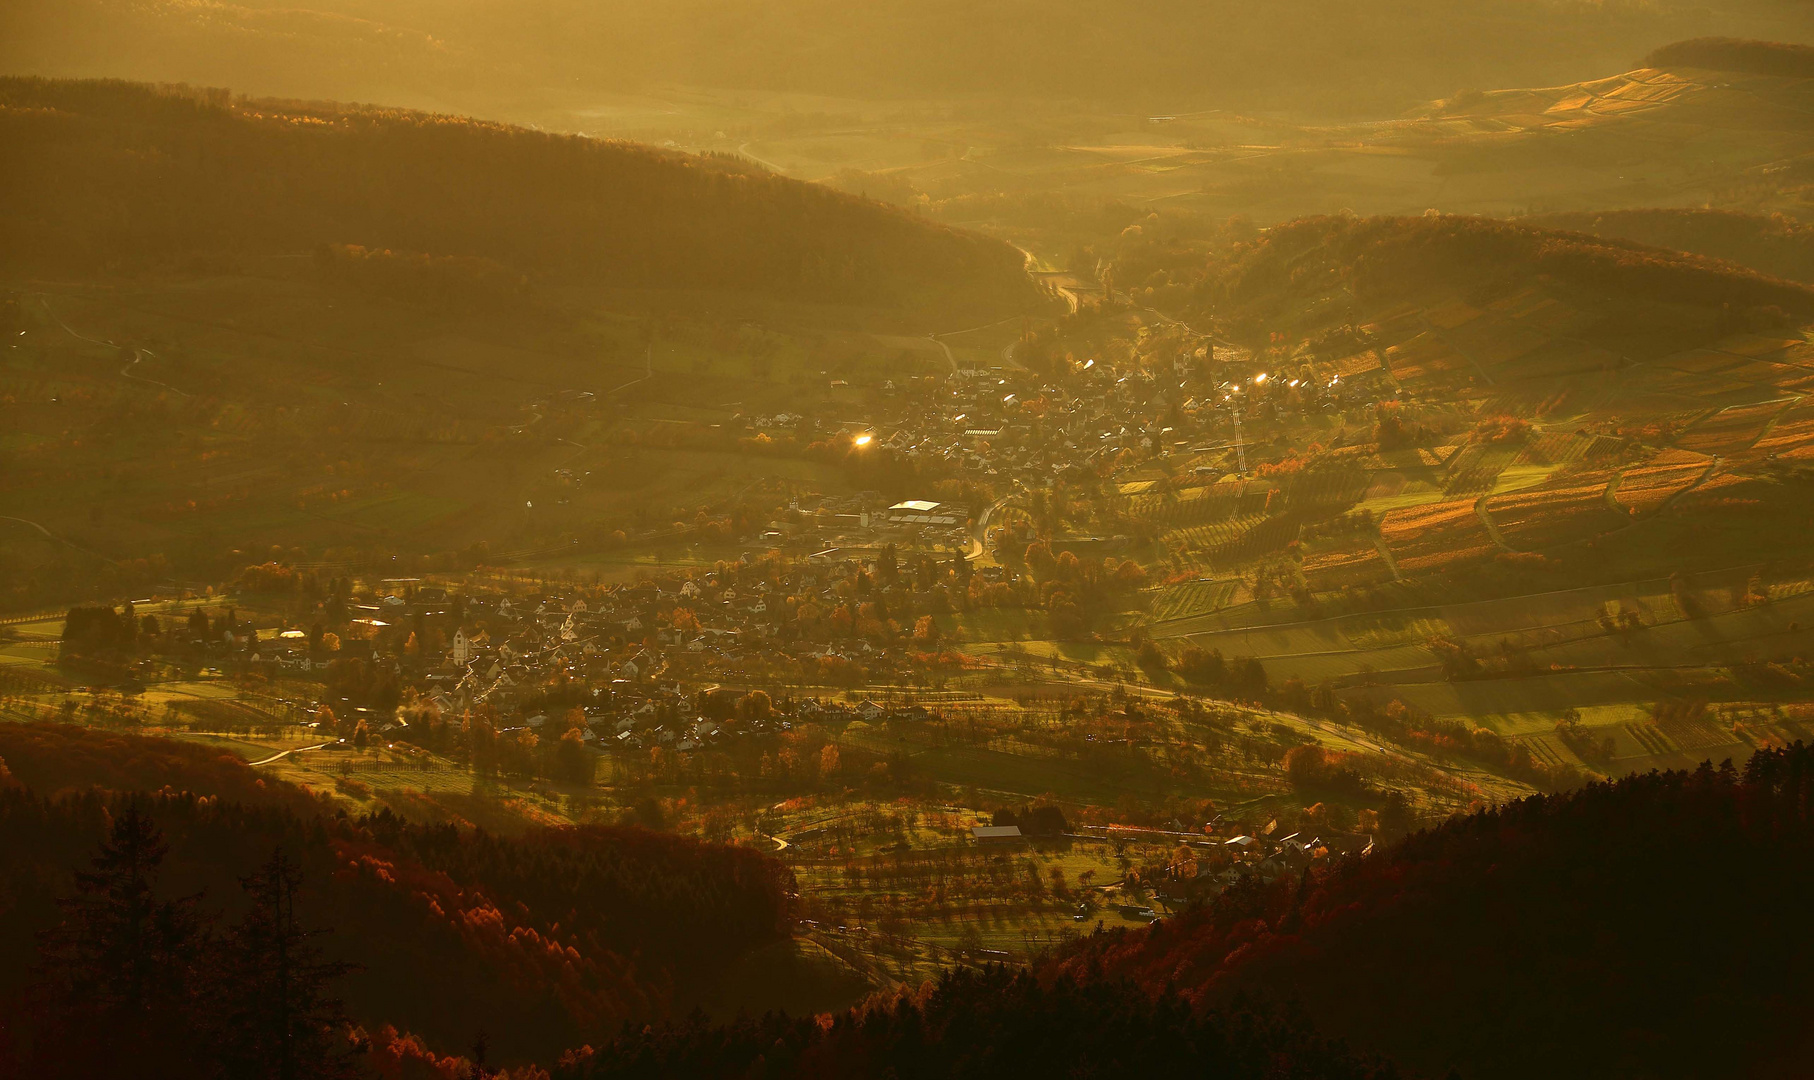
column 865, row 440
column 1293, row 382
column 1260, row 378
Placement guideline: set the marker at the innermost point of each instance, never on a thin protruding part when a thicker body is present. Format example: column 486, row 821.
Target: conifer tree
column 123, row 962
column 278, row 1016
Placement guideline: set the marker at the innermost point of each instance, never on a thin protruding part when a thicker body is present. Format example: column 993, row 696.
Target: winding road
column 286, row 753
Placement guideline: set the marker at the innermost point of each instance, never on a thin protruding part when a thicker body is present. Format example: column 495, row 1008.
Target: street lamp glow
column 1260, row 378
column 864, row 440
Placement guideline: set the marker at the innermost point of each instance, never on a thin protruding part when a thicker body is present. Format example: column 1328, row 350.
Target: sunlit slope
column 114, row 175
column 1660, row 95
column 1703, row 361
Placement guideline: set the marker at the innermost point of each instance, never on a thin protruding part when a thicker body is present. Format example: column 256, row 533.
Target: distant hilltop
column 1733, row 54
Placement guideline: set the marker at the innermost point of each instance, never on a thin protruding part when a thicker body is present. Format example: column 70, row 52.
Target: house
column 870, row 712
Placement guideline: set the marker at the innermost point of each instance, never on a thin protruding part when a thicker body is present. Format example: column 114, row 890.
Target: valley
column 809, row 543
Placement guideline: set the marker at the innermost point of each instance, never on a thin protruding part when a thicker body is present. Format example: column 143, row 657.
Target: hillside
column 1776, row 244
column 456, row 932
column 1626, row 929
column 63, row 759
column 1568, row 469
column 1623, row 929
column 1778, row 58
column 122, row 177
column 1384, row 260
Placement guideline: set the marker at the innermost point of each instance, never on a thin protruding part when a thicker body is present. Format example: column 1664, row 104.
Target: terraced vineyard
column 1191, row 598
column 1566, row 510
column 1196, row 545
column 1439, row 537
column 1644, row 489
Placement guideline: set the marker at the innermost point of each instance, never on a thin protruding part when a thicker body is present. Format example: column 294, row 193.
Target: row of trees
column 972, row 1025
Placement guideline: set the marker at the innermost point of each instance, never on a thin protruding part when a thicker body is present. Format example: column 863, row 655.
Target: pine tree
column 123, row 962
column 278, row 1016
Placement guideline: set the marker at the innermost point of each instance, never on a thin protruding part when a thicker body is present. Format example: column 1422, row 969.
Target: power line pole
column 1240, row 441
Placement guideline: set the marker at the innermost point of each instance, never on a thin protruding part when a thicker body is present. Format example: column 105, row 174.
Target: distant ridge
column 1385, row 255
column 1775, row 244
column 109, row 174
column 1733, row 54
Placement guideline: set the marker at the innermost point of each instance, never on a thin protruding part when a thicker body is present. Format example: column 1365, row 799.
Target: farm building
column 995, row 834
column 923, row 512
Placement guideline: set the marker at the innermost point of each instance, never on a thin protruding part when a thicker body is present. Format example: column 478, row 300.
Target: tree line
column 1638, row 927
column 545, row 941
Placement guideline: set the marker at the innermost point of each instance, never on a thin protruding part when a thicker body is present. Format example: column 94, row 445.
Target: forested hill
column 543, row 941
column 1733, row 54
column 1776, row 244
column 1387, row 259
column 110, row 174
column 1626, row 929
